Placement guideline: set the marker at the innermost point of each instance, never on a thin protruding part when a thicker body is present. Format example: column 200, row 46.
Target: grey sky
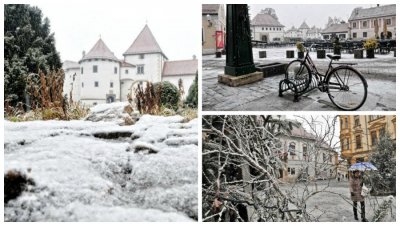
column 320, row 126
column 78, row 25
column 294, row 14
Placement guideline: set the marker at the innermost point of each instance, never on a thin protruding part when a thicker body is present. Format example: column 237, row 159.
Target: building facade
column 100, row 77
column 213, row 22
column 303, row 33
column 360, row 133
column 306, row 158
column 266, row 27
column 342, row 31
column 314, row 33
column 373, row 22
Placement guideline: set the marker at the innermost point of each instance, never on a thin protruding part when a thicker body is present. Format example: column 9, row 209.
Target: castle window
column 354, row 24
column 388, row 21
column 141, row 56
column 111, row 84
column 115, row 70
column 96, row 84
column 82, row 85
column 81, row 70
column 365, row 24
column 94, row 68
column 126, row 71
column 140, row 69
column 365, row 34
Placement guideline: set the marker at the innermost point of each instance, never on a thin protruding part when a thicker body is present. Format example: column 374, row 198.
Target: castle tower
column 147, row 56
column 99, row 75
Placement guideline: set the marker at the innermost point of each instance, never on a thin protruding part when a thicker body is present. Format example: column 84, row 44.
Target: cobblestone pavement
column 380, row 74
column 328, row 206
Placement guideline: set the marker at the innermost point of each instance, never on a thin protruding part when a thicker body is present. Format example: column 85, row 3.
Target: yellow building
column 360, row 133
column 213, row 21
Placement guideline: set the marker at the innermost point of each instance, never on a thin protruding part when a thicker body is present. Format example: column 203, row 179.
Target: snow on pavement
column 82, row 178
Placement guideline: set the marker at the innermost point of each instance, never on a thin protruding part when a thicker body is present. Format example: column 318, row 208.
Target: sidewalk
column 263, row 95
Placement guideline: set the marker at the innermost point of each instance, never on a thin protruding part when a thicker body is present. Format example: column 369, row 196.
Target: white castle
column 100, row 77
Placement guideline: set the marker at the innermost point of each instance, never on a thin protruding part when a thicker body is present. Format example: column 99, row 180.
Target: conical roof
column 144, row 43
column 304, row 26
column 100, row 51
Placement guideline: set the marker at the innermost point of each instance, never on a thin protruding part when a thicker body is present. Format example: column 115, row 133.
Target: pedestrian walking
column 356, row 185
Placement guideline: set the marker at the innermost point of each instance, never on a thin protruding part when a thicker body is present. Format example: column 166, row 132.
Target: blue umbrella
column 362, row 166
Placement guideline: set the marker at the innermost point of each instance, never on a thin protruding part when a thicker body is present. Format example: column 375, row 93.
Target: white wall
column 258, row 32
column 105, row 74
column 125, row 88
column 187, row 81
column 70, row 83
column 153, row 63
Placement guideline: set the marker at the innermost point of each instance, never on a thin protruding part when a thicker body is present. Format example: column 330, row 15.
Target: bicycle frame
column 310, row 63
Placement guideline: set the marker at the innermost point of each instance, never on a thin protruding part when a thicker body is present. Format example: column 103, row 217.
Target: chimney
column 377, row 5
column 83, row 53
column 194, row 57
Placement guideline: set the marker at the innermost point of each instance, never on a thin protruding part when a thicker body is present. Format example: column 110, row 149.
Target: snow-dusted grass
column 82, row 178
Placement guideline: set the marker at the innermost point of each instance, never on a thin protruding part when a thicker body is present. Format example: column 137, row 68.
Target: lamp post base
column 241, row 79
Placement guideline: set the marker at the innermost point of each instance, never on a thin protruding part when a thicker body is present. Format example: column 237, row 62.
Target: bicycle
column 346, row 87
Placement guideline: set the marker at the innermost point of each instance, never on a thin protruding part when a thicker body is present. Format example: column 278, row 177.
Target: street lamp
column 209, row 20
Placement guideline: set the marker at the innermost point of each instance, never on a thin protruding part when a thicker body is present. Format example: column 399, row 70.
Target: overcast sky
column 320, row 125
column 294, row 14
column 79, row 24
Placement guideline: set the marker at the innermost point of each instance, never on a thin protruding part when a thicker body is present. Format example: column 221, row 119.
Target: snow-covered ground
column 379, row 72
column 333, row 204
column 100, row 171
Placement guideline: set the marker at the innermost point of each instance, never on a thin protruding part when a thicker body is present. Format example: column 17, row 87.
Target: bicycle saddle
column 333, row 57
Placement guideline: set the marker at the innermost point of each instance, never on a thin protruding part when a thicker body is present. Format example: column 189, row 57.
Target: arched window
column 292, row 148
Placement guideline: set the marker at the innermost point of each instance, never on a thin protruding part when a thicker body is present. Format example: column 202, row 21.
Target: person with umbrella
column 356, row 185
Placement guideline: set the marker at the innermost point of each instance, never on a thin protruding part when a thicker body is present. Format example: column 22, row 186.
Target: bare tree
column 243, row 158
column 241, row 163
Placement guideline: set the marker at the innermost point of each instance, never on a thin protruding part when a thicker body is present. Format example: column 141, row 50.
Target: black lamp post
column 239, row 54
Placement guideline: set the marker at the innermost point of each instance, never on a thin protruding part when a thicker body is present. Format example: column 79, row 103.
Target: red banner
column 219, row 39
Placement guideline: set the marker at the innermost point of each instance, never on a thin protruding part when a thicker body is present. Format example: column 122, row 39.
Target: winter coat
column 355, row 189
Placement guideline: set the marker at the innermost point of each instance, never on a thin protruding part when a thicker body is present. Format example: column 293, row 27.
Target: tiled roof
column 337, row 28
column 144, row 43
column 262, row 19
column 100, row 51
column 211, row 9
column 314, row 30
column 180, row 67
column 70, row 64
column 384, row 10
column 125, row 64
column 292, row 29
column 304, row 26
column 302, row 133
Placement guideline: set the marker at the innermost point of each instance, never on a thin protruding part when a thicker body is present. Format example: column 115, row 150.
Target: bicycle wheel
column 299, row 74
column 347, row 88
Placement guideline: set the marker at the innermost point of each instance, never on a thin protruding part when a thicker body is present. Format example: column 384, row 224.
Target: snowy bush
column 192, row 98
column 169, row 94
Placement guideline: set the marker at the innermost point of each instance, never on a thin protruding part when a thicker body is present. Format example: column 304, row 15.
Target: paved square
column 379, row 72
